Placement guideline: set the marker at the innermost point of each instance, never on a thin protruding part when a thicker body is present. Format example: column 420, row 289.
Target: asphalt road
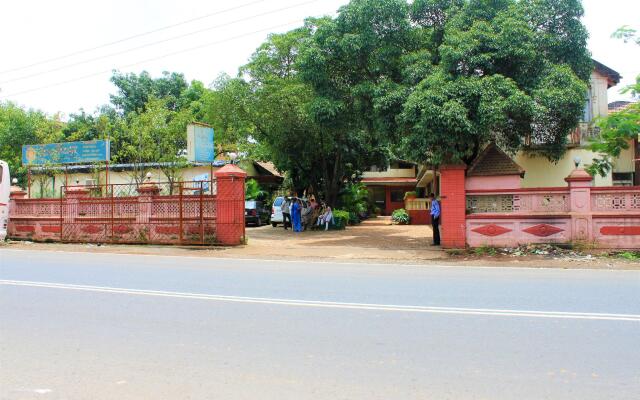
column 99, row 326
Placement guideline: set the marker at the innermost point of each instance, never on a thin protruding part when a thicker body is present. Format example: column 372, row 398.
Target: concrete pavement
column 81, row 325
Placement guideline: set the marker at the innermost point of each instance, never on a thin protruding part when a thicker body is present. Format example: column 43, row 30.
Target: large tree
column 19, row 127
column 511, row 72
column 432, row 81
column 289, row 124
column 134, row 91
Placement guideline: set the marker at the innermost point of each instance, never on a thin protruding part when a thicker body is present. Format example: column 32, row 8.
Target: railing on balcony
column 417, row 204
column 580, row 136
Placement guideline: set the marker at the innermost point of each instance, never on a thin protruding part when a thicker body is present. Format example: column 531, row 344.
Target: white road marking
column 330, row 262
column 329, row 304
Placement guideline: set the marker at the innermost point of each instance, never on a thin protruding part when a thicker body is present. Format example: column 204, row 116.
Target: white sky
column 33, row 31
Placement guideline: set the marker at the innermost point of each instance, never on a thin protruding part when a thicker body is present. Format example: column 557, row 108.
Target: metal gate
column 163, row 213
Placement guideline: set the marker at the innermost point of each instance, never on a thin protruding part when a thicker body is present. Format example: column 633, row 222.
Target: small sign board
column 200, row 143
column 66, row 153
column 204, row 178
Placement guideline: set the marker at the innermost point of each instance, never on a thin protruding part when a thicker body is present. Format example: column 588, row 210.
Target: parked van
column 5, row 188
column 276, row 211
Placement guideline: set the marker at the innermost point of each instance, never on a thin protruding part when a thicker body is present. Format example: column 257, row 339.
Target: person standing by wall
column 286, row 212
column 435, row 219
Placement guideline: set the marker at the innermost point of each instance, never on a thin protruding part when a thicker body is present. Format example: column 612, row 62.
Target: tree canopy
column 431, row 81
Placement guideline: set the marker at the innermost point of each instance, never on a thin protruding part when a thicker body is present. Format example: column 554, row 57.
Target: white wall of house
column 391, row 173
column 53, row 184
column 541, row 172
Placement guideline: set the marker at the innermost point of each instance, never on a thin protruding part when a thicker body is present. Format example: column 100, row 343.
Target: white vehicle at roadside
column 5, row 188
column 276, row 211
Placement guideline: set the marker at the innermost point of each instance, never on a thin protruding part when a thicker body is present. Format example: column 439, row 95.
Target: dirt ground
column 375, row 240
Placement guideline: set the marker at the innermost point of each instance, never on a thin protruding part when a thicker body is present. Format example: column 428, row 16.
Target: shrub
column 400, row 216
column 340, row 219
column 252, row 190
column 354, row 218
column 354, row 199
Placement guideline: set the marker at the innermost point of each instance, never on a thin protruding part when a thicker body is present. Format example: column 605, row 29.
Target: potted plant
column 400, row 217
column 410, row 195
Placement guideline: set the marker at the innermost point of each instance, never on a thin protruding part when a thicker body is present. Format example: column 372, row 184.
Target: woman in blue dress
column 296, row 216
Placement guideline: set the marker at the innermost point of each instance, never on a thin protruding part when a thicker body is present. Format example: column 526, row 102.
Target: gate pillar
column 230, row 205
column 454, row 204
column 580, row 183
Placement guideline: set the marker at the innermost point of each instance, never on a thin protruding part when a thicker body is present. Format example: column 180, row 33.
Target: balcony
column 581, row 136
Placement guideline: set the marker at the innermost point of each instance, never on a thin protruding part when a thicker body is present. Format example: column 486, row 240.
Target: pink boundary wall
column 495, row 182
column 604, row 217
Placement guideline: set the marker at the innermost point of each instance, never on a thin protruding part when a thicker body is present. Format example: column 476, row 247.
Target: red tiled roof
column 492, row 162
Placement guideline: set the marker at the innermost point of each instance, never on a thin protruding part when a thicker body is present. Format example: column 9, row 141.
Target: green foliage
column 354, row 199
column 135, row 91
column 400, row 216
column 252, row 190
column 340, row 219
column 505, row 71
column 627, row 34
column 19, row 127
column 616, row 132
column 629, row 255
column 485, row 251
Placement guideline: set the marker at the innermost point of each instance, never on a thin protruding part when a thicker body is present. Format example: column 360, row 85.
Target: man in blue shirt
column 435, row 219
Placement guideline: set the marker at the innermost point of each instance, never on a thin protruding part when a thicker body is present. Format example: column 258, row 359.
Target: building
column 48, row 182
column 540, row 172
column 388, row 185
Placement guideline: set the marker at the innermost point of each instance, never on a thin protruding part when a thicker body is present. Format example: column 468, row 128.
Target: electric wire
column 125, row 39
column 63, row 67
column 151, row 59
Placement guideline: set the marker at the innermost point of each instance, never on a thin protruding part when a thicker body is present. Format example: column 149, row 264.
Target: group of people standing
column 298, row 215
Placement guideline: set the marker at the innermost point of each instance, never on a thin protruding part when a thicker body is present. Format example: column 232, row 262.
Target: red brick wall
column 453, row 201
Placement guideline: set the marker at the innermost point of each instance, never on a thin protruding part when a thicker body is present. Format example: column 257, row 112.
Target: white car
column 276, row 211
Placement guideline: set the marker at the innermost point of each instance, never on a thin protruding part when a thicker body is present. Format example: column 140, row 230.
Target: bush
column 400, row 216
column 354, row 199
column 354, row 218
column 340, row 219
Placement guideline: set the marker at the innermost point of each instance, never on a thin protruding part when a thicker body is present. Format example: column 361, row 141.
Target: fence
column 600, row 216
column 162, row 213
column 419, row 211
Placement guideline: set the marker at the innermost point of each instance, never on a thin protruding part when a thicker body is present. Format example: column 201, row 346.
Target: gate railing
column 166, row 212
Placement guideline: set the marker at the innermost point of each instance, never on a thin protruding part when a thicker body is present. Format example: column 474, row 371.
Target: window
column 1, row 173
column 397, row 196
column 278, row 202
column 623, row 179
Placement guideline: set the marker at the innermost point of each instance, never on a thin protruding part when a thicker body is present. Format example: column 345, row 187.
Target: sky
column 35, row 32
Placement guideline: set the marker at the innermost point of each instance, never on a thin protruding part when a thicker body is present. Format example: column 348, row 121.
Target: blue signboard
column 66, row 153
column 204, row 178
column 200, row 143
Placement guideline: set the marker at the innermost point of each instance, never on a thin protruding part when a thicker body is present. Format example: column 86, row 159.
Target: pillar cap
column 579, row 175
column 230, row 170
column 149, row 187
